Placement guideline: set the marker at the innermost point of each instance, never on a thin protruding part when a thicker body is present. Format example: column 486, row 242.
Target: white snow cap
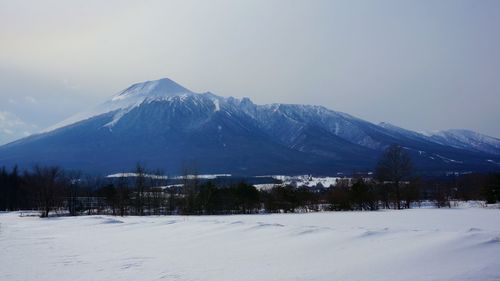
column 152, row 89
column 129, row 98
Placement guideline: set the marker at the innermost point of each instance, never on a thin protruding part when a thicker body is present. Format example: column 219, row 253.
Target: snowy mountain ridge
column 158, row 120
column 459, row 138
column 462, row 138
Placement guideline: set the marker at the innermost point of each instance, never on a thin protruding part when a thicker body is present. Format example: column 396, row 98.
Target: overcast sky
column 422, row 65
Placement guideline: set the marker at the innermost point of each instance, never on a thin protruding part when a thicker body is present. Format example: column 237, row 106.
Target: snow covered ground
column 307, row 180
column 417, row 244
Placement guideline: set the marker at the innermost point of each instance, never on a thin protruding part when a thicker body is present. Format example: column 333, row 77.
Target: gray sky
column 422, row 65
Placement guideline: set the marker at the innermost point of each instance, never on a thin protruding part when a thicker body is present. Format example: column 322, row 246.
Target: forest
column 54, row 191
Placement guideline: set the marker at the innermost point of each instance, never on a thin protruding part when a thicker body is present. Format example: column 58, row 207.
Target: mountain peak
column 129, row 98
column 164, row 87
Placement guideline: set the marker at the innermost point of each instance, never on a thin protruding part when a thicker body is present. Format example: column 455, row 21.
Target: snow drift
column 415, row 244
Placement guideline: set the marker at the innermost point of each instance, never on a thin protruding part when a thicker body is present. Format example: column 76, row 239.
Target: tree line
column 51, row 190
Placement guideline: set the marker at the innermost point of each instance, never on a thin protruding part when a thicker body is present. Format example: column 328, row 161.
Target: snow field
column 416, row 244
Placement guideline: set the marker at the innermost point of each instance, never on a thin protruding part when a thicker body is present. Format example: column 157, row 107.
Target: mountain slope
column 467, row 139
column 169, row 127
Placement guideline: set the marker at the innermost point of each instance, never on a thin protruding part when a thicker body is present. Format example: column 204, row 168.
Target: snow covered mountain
column 129, row 98
column 458, row 138
column 467, row 139
column 167, row 126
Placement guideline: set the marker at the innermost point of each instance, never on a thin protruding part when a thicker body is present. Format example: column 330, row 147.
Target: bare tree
column 157, row 181
column 394, row 166
column 72, row 191
column 140, row 185
column 190, row 183
column 46, row 180
column 122, row 195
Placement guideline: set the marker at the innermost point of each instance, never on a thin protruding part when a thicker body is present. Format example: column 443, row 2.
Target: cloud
column 12, row 127
column 69, row 85
column 30, row 99
column 8, row 132
column 9, row 120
